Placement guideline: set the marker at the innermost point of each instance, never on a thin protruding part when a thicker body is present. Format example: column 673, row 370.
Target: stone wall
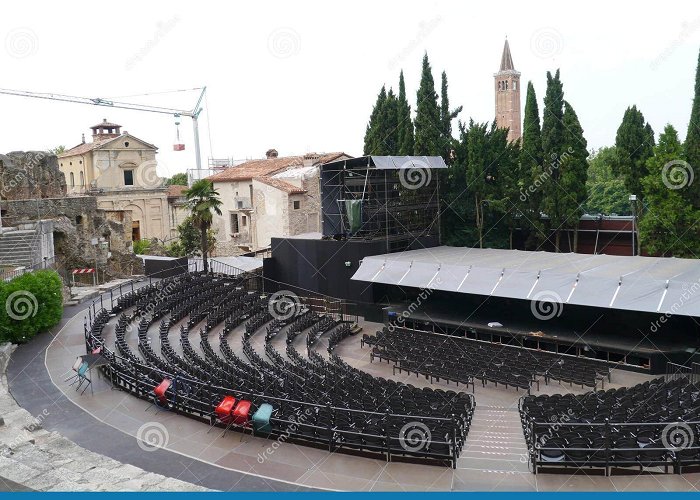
column 30, row 174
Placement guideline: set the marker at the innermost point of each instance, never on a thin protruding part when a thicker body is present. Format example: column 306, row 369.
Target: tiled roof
column 86, row 147
column 106, row 124
column 285, row 186
column 83, row 148
column 268, row 166
column 175, row 191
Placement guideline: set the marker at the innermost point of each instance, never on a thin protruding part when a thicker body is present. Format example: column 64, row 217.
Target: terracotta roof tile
column 285, row 186
column 175, row 191
column 268, row 166
column 83, row 148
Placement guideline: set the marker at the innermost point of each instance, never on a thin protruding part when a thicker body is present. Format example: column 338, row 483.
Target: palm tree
column 202, row 199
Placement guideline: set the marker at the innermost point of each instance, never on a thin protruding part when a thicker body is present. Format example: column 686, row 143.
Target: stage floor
column 493, row 459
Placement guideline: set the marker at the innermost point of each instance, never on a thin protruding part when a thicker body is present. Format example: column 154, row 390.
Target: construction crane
column 98, row 101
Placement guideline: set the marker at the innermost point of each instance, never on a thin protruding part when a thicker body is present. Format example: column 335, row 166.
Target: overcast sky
column 302, row 76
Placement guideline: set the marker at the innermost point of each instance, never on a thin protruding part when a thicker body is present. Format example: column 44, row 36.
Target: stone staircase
column 19, row 247
column 495, row 442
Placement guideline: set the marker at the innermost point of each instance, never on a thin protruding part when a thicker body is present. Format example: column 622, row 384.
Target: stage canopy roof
column 648, row 284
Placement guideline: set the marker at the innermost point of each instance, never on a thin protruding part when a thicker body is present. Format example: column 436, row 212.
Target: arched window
column 72, row 180
column 82, row 179
column 515, row 85
column 506, row 82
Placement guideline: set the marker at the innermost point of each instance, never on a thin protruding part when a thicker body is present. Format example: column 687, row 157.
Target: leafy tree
column 33, row 303
column 446, row 117
column 141, row 247
column 189, row 240
column 427, row 123
column 574, row 171
column 58, row 150
column 607, row 193
column 373, row 127
column 692, row 145
column 179, row 179
column 382, row 134
column 202, row 200
column 670, row 226
column 405, row 123
column 531, row 169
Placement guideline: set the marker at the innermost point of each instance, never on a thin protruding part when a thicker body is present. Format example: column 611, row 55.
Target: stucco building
column 275, row 196
column 120, row 170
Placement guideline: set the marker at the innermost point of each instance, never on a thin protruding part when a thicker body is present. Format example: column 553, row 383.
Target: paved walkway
column 109, row 421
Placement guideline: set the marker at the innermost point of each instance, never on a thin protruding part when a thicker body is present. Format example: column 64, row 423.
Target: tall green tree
column 405, row 123
column 531, row 168
column 446, row 117
column 203, row 201
column 553, row 148
column 574, row 172
column 634, row 145
column 607, row 193
column 427, row 123
column 692, row 144
column 375, row 125
column 671, row 225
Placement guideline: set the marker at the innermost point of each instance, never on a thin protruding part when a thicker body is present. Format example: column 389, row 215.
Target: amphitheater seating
column 462, row 360
column 627, row 427
column 315, row 400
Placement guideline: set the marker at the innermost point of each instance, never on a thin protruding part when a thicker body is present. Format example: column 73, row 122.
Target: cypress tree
column 390, row 131
column 405, row 124
column 692, row 145
column 446, row 117
column 552, row 148
column 634, row 144
column 574, row 172
column 530, row 171
column 373, row 127
column 427, row 124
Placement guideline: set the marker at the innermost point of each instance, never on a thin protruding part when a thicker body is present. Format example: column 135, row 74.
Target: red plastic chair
column 159, row 397
column 241, row 416
column 223, row 413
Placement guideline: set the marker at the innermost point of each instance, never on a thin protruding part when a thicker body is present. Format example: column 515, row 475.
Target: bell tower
column 507, row 89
